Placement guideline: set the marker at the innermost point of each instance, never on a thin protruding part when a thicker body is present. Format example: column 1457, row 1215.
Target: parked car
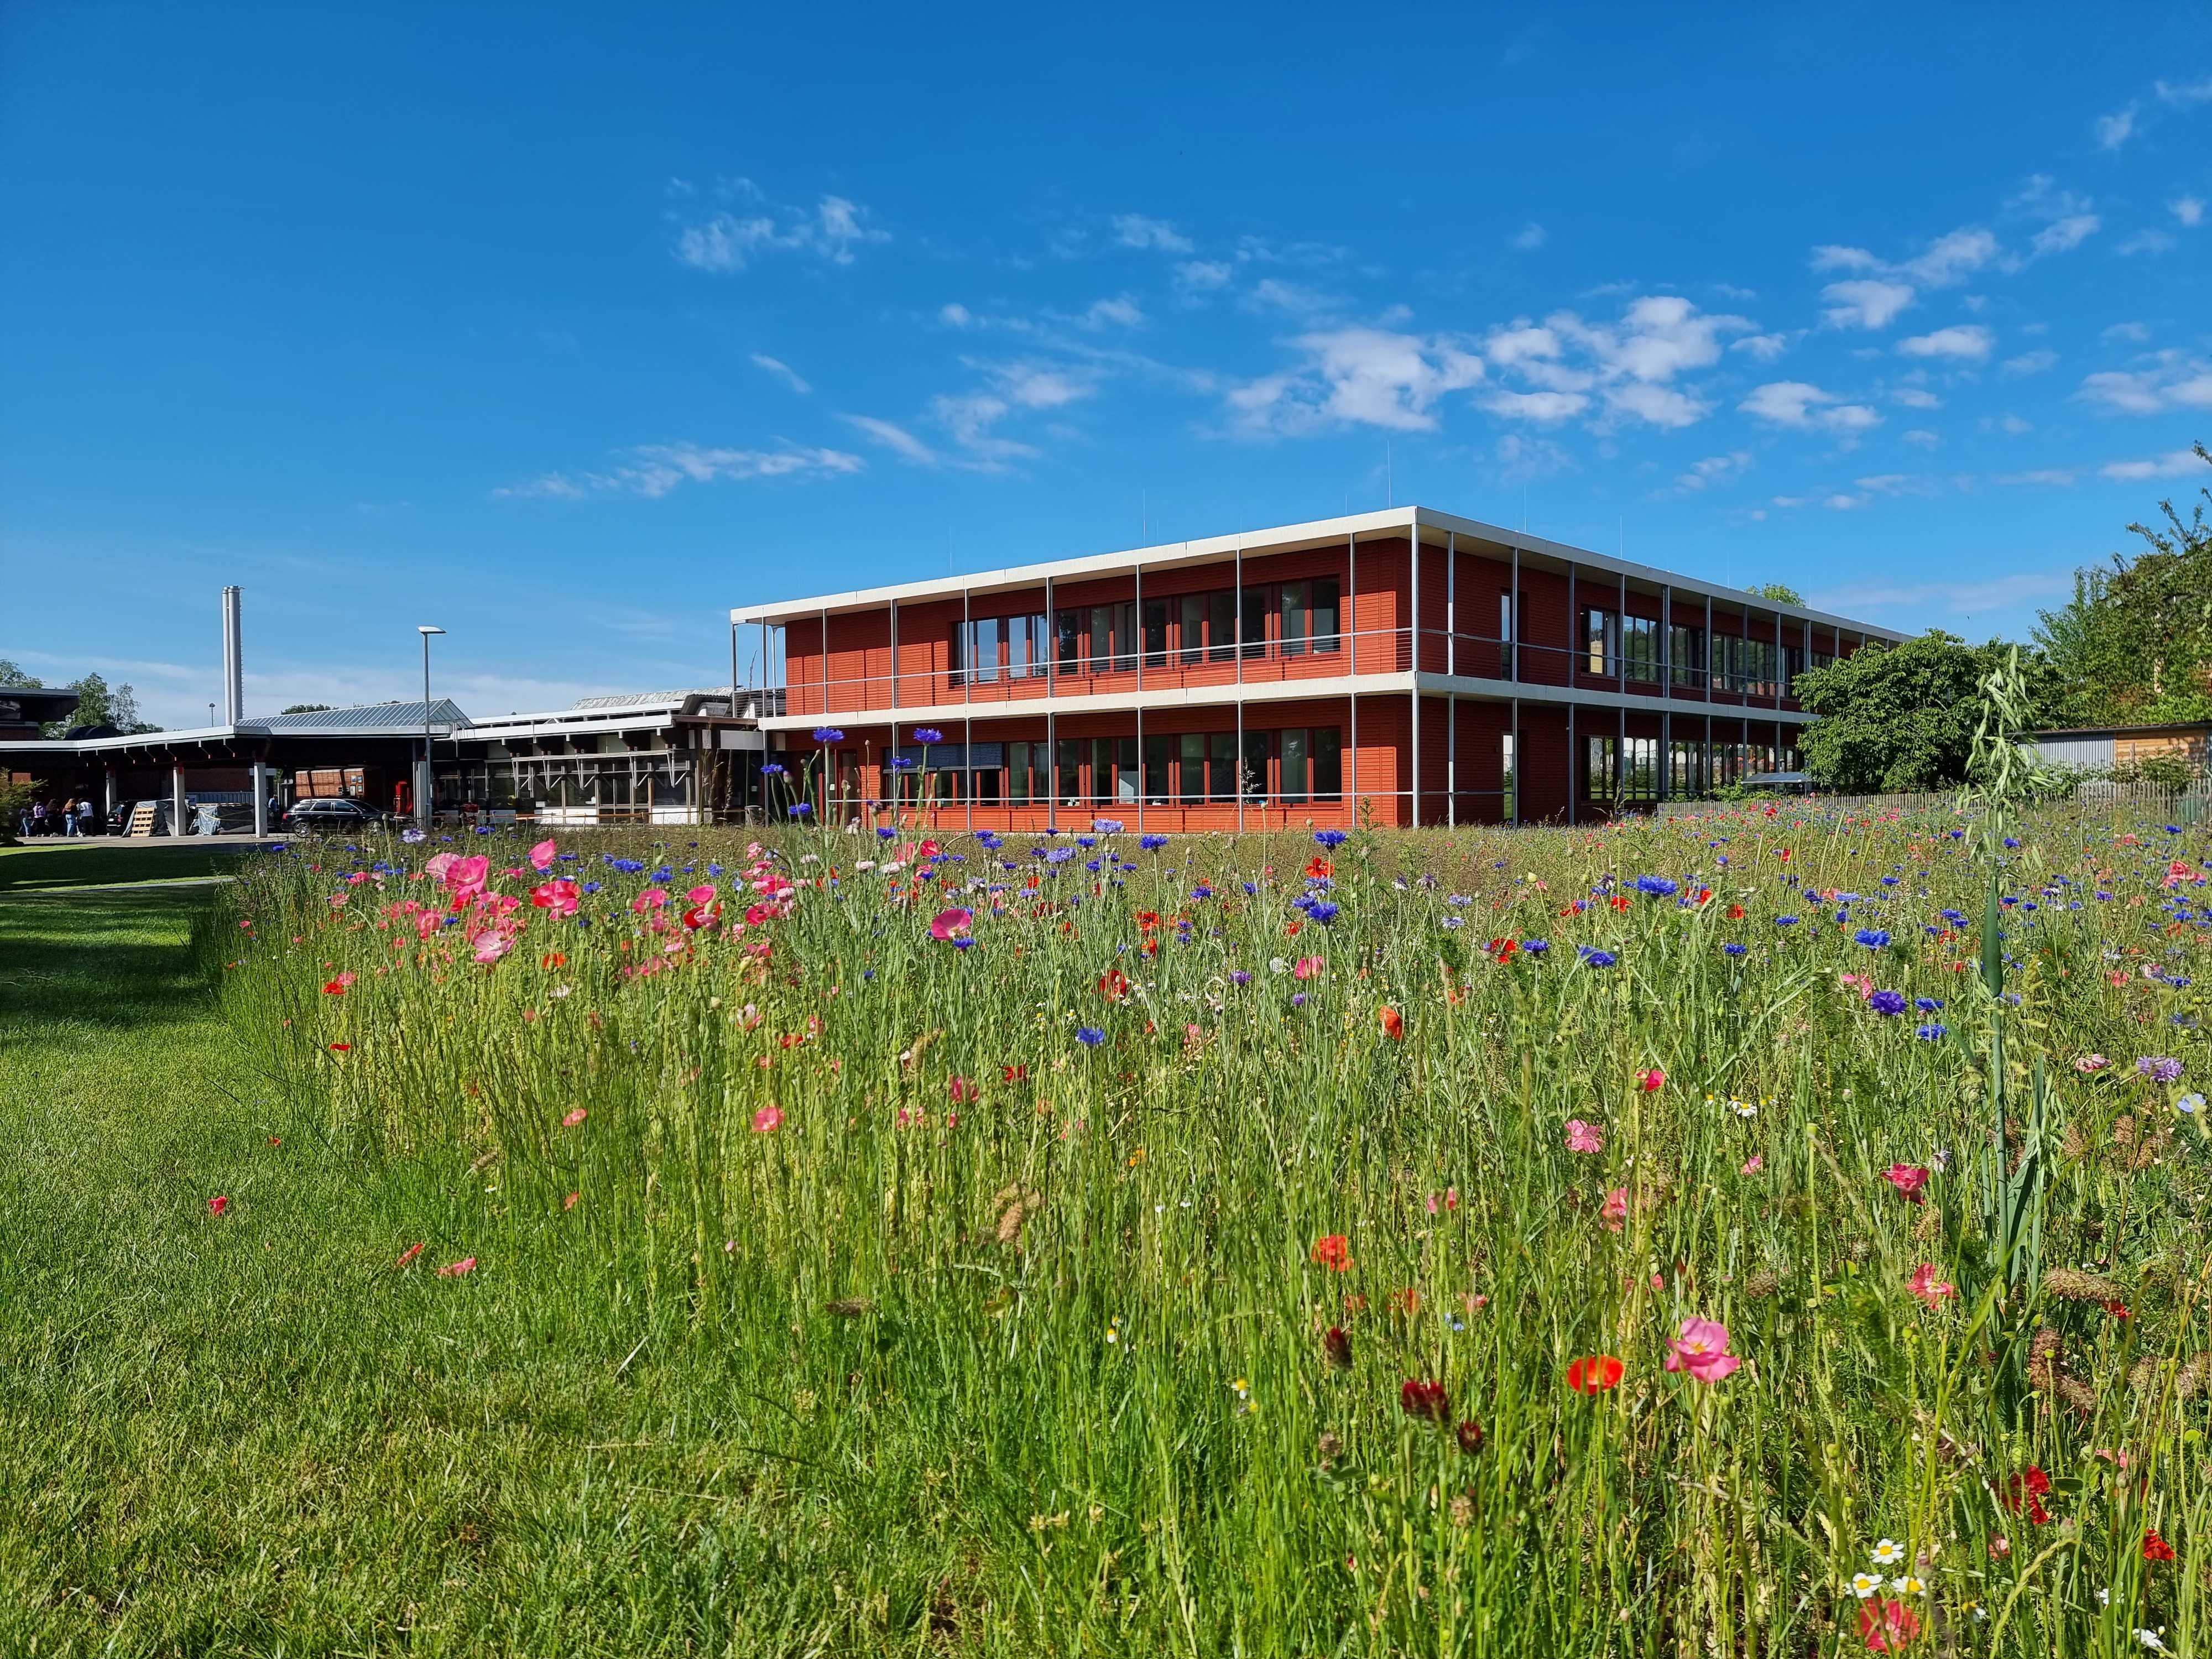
column 330, row 817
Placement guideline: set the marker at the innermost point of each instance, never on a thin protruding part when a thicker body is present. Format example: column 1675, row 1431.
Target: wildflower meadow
column 1760, row 1232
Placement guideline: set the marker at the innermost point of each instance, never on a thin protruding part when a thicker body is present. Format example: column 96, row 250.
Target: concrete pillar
column 260, row 797
column 177, row 825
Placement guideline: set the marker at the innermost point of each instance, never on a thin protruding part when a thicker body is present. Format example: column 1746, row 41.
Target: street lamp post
column 422, row 786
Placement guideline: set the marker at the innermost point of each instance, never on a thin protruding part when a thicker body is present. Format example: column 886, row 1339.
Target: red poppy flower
column 2025, row 1491
column 963, row 1090
column 1333, row 1251
column 408, row 1256
column 1014, row 1074
column 1114, row 985
column 1594, row 1374
column 217, row 1205
column 1423, row 1397
column 1735, row 912
column 1887, row 1626
column 340, row 1048
column 1618, row 900
column 554, row 959
column 2156, row 1548
column 1394, row 1022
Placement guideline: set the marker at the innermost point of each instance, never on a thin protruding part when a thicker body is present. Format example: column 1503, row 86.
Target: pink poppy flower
column 963, row 1091
column 1908, row 1179
column 951, row 924
column 465, row 878
column 1651, row 1081
column 574, row 1118
column 2094, row 1062
column 766, row 1118
column 1754, row 1164
column 541, row 856
column 408, row 1256
column 1925, row 1285
column 491, row 945
column 1701, row 1349
column 1584, row 1137
column 702, row 893
column 1615, row 1212
column 560, row 896
column 437, row 864
column 650, row 899
column 467, row 1264
column 1308, row 967
column 217, row 1205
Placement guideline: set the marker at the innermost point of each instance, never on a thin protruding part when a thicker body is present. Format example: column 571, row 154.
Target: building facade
column 1407, row 668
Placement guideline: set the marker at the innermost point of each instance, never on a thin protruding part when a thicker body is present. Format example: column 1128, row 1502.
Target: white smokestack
column 234, row 660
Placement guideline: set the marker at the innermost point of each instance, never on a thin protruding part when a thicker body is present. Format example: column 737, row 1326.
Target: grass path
column 248, row 1435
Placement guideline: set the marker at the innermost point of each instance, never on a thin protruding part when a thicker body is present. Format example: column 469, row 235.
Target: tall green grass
column 1053, row 1316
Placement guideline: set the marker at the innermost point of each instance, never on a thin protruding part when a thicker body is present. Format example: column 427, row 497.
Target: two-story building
column 1408, row 665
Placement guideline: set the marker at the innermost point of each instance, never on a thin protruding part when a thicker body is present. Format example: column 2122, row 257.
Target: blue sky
column 567, row 328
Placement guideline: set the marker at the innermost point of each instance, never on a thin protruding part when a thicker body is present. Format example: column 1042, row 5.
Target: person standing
column 70, row 828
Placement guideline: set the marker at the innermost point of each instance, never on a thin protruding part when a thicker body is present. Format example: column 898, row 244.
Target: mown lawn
column 250, row 1435
column 102, row 861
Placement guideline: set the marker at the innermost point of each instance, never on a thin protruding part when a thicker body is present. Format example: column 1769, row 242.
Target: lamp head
column 421, row 629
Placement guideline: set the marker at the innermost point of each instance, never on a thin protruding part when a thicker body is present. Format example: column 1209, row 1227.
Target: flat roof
column 1543, row 552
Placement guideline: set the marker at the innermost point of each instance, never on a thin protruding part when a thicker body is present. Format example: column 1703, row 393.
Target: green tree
column 1902, row 718
column 2134, row 645
column 1779, row 592
column 306, row 709
column 12, row 675
column 99, row 704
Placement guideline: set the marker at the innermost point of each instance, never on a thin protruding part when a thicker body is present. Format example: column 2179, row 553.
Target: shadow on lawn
column 117, row 957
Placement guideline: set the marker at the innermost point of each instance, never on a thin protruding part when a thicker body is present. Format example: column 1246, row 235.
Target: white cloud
column 1201, row 275
column 1528, row 237
column 726, row 241
column 1713, row 470
column 1800, row 403
column 1121, row 310
column 1913, row 396
column 1923, row 436
column 2114, row 129
column 2060, row 477
column 956, row 315
column 1832, row 257
column 2015, row 425
column 1765, row 347
column 1950, row 260
column 2136, row 331
column 2168, row 381
column 1292, row 297
column 1898, row 484
column 2185, row 92
column 1358, row 376
column 1523, row 460
column 1958, row 597
column 2031, row 363
column 2174, row 463
column 2146, row 240
column 653, row 469
column 1865, row 303
column 1567, row 365
column 783, row 371
column 897, row 439
column 1970, row 341
column 2062, row 235
column 2190, row 209
column 1135, row 230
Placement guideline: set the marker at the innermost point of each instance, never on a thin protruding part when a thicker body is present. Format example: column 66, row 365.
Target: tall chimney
column 234, row 660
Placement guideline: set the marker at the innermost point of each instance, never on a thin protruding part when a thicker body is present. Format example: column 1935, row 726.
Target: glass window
column 1324, row 614
column 983, row 651
column 1102, row 637
column 1255, row 781
column 1505, row 762
column 1639, row 648
column 1191, row 637
column 1221, row 621
column 1297, row 762
column 1221, row 756
column 1327, row 763
column 1294, row 619
column 1124, row 770
column 1255, row 621
column 1069, row 789
column 1190, row 767
column 1155, row 633
column 1158, row 749
column 1017, row 772
column 1599, row 771
column 1686, row 649
column 1071, row 640
column 1601, row 641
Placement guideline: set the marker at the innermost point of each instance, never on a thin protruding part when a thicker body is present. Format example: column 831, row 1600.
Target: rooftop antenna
column 1389, row 483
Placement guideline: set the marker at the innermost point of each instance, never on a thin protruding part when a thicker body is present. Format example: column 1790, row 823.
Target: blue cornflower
column 1454, row 922
column 2012, row 840
column 1594, row 957
column 1331, row 837
column 1785, row 921
column 1151, row 843
column 1873, row 938
column 1060, row 855
column 770, row 769
column 591, row 887
column 1456, row 900
column 1090, row 1035
column 1956, row 918
column 1657, row 886
column 1250, row 888
column 1928, row 1005
column 1240, row 976
column 1105, row 827
column 664, row 873
column 988, row 840
column 828, row 734
column 1811, row 897
column 927, row 734
column 1323, row 913
column 1735, row 950
column 1887, row 1002
column 1091, row 865
column 1930, row 1031
column 1087, row 841
column 1889, row 881
column 799, row 809
column 714, row 869
column 1536, row 947
column 1955, row 834
column 902, row 762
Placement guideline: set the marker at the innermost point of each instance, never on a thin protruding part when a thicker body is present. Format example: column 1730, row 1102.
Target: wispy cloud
column 1615, row 372
column 1957, row 599
column 2115, row 130
column 1135, row 230
column 2031, row 363
column 2174, row 463
column 1801, row 404
column 1865, row 302
column 2056, row 477
column 728, row 241
column 653, row 469
column 1970, row 341
column 1713, row 470
column 2169, row 381
column 2190, row 209
column 1527, row 239
column 1360, row 376
column 1883, row 288
column 783, row 371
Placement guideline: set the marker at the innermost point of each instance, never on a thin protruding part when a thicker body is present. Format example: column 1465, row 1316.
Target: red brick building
column 1409, row 665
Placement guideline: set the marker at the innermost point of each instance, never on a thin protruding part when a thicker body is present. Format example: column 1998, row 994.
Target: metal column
column 176, row 798
column 1351, row 581
column 1414, row 738
column 1139, row 568
column 966, row 774
column 261, row 797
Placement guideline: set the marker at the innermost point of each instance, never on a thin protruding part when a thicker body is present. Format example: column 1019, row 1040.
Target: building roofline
column 1288, row 538
column 2118, row 730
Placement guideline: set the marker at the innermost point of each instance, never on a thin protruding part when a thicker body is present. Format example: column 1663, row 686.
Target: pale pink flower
column 2091, row 1063
column 1924, row 1285
column 1615, row 1212
column 542, row 855
column 467, row 1264
column 437, row 864
column 1309, row 966
column 1584, row 1137
column 1701, row 1349
column 767, row 1118
column 1754, row 1164
column 465, row 878
column 574, row 1118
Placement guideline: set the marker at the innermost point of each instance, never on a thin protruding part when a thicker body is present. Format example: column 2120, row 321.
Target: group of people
column 62, row 818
